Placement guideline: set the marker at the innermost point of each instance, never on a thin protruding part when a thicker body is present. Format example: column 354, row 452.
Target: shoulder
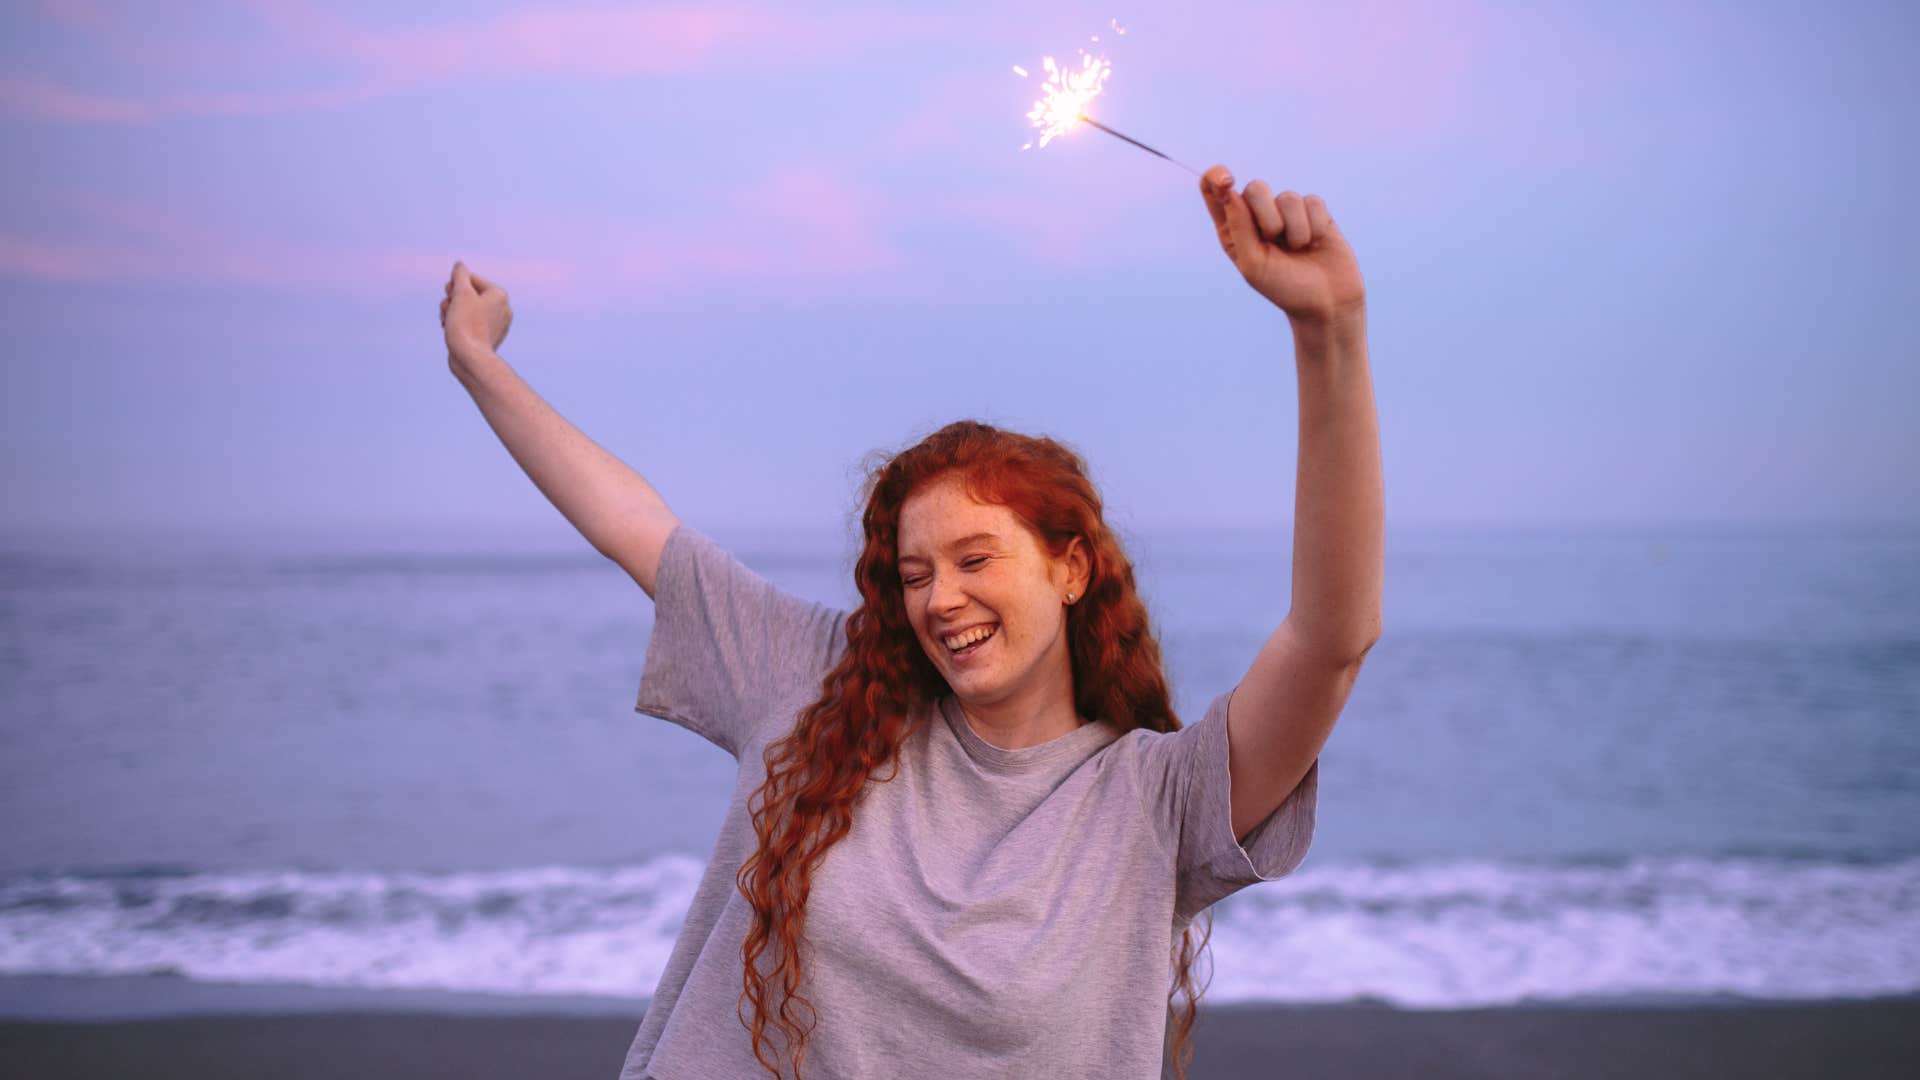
column 1137, row 751
column 1161, row 763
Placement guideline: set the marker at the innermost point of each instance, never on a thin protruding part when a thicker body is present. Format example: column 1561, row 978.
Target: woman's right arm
column 612, row 505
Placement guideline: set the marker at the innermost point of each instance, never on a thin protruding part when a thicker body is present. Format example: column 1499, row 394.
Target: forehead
column 942, row 513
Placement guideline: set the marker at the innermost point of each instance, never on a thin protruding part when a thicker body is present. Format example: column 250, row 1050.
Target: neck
column 1032, row 715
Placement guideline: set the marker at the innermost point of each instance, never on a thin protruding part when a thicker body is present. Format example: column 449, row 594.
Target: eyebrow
column 970, row 538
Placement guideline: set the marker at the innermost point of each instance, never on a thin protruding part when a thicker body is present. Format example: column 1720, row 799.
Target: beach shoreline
column 212, row 1032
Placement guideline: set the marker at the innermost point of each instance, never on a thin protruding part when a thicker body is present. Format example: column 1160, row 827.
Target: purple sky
column 1626, row 264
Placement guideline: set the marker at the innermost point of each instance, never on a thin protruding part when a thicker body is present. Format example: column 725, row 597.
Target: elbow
column 1345, row 646
column 1355, row 653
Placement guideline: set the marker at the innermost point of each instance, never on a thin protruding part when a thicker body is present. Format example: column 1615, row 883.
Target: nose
column 944, row 595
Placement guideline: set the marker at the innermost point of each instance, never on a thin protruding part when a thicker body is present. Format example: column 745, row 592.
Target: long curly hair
column 816, row 773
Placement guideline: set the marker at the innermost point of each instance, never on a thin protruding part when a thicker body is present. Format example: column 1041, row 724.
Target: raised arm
column 613, row 506
column 1289, row 249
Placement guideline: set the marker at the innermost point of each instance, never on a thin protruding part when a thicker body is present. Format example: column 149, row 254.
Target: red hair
column 815, row 773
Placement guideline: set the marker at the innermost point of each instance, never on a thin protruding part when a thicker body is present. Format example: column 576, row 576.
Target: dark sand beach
column 1879, row 1038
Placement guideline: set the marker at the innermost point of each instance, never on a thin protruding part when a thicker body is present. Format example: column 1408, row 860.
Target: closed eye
column 970, row 563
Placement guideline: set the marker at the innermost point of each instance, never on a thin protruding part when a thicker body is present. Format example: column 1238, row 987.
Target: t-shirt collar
column 1074, row 745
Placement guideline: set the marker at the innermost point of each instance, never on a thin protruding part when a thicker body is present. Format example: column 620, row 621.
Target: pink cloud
column 1383, row 76
column 365, row 63
column 85, row 14
column 809, row 233
column 575, row 40
column 28, row 95
column 799, row 231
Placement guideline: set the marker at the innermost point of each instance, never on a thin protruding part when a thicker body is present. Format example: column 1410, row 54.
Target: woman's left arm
column 1339, row 510
column 1290, row 251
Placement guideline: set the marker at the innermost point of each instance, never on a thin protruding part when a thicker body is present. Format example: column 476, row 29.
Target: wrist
column 1346, row 323
column 468, row 364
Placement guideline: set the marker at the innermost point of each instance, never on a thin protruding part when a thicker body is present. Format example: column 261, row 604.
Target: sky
column 1627, row 264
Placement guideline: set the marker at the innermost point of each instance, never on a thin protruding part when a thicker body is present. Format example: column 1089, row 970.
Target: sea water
column 1578, row 766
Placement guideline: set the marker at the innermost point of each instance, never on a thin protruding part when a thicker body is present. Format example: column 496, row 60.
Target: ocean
column 1634, row 765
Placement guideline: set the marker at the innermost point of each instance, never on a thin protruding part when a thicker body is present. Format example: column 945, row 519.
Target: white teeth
column 961, row 641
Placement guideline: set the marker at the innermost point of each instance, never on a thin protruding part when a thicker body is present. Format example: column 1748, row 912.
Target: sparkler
column 1064, row 98
column 1135, row 142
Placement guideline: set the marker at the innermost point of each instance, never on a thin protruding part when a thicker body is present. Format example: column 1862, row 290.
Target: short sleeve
column 728, row 647
column 1189, row 795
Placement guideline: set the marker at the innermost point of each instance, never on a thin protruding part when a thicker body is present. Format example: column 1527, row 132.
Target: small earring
column 1069, row 598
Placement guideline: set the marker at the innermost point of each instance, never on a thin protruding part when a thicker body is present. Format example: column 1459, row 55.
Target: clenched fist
column 475, row 314
column 1286, row 247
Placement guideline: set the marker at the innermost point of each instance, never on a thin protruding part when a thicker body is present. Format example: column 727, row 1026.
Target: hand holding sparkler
column 1286, row 247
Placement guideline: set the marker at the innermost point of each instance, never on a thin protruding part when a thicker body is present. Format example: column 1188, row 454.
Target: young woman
column 969, row 835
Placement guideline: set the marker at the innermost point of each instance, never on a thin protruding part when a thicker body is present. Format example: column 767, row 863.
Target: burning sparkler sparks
column 1065, row 94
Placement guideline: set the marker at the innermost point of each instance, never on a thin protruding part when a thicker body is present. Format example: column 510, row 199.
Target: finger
column 1214, row 189
column 1294, row 213
column 1214, row 185
column 1240, row 236
column 1318, row 220
column 461, row 279
column 1265, row 214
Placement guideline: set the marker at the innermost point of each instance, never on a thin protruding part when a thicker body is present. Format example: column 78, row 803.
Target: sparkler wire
column 1134, row 141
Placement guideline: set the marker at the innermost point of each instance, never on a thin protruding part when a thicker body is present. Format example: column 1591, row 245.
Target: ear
column 1079, row 563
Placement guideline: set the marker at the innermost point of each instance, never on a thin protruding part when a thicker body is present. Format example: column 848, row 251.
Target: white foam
column 1469, row 933
column 1452, row 934
column 543, row 930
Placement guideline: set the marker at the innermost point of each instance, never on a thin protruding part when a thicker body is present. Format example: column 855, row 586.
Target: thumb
column 1237, row 232
column 1214, row 188
column 461, row 278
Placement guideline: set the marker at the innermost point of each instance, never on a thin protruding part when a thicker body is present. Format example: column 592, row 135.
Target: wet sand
column 1864, row 1039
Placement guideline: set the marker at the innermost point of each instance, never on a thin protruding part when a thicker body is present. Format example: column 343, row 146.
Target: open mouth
column 976, row 639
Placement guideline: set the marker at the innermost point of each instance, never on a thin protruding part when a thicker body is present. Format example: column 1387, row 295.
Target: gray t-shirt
column 993, row 914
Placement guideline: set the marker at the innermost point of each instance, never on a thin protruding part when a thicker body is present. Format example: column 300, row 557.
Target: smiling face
column 967, row 565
